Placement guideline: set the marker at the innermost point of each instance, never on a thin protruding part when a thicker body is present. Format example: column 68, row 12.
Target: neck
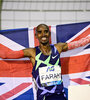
column 45, row 49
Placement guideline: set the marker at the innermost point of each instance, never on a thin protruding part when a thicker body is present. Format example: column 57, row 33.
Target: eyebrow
column 38, row 30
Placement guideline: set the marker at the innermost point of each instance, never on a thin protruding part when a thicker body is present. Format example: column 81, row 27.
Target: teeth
column 44, row 38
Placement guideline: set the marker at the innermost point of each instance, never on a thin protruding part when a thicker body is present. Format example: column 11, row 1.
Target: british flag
column 16, row 74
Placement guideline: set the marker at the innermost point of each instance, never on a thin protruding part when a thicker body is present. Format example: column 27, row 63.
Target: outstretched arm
column 72, row 45
column 79, row 43
column 7, row 53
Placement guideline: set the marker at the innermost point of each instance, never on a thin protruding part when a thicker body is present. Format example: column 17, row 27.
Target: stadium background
column 28, row 13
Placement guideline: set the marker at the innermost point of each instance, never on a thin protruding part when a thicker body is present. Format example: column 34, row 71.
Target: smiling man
column 45, row 59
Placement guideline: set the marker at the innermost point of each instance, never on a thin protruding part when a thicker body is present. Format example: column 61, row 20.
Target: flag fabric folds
column 16, row 74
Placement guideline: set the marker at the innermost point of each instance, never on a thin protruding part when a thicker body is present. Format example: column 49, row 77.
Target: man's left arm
column 79, row 43
column 72, row 45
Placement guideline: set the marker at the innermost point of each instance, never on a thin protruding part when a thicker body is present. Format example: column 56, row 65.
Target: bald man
column 46, row 63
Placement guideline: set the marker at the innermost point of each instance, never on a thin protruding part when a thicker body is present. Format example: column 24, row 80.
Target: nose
column 43, row 33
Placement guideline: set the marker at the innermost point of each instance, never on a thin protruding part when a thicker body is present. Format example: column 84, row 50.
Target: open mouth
column 44, row 38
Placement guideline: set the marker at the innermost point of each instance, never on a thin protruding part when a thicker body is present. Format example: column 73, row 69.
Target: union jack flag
column 16, row 74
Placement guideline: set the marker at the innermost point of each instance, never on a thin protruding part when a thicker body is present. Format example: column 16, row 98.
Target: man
column 46, row 63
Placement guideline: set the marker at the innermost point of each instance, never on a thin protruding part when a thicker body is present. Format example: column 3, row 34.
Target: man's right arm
column 6, row 53
column 29, row 52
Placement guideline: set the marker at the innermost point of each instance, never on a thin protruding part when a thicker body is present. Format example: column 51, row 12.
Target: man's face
column 43, row 34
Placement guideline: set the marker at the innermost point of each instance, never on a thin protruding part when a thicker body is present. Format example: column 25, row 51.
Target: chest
column 43, row 60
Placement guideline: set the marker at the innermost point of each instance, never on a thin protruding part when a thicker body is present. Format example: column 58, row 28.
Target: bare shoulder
column 61, row 47
column 29, row 52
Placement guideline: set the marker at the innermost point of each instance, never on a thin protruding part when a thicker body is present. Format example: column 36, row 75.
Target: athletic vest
column 47, row 68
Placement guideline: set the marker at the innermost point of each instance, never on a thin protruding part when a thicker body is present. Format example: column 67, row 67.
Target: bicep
column 27, row 52
column 65, row 47
column 61, row 47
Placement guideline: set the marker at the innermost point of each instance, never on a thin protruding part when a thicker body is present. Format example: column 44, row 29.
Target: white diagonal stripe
column 78, row 34
column 10, row 44
column 76, row 52
column 67, row 77
column 12, row 82
column 21, row 92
